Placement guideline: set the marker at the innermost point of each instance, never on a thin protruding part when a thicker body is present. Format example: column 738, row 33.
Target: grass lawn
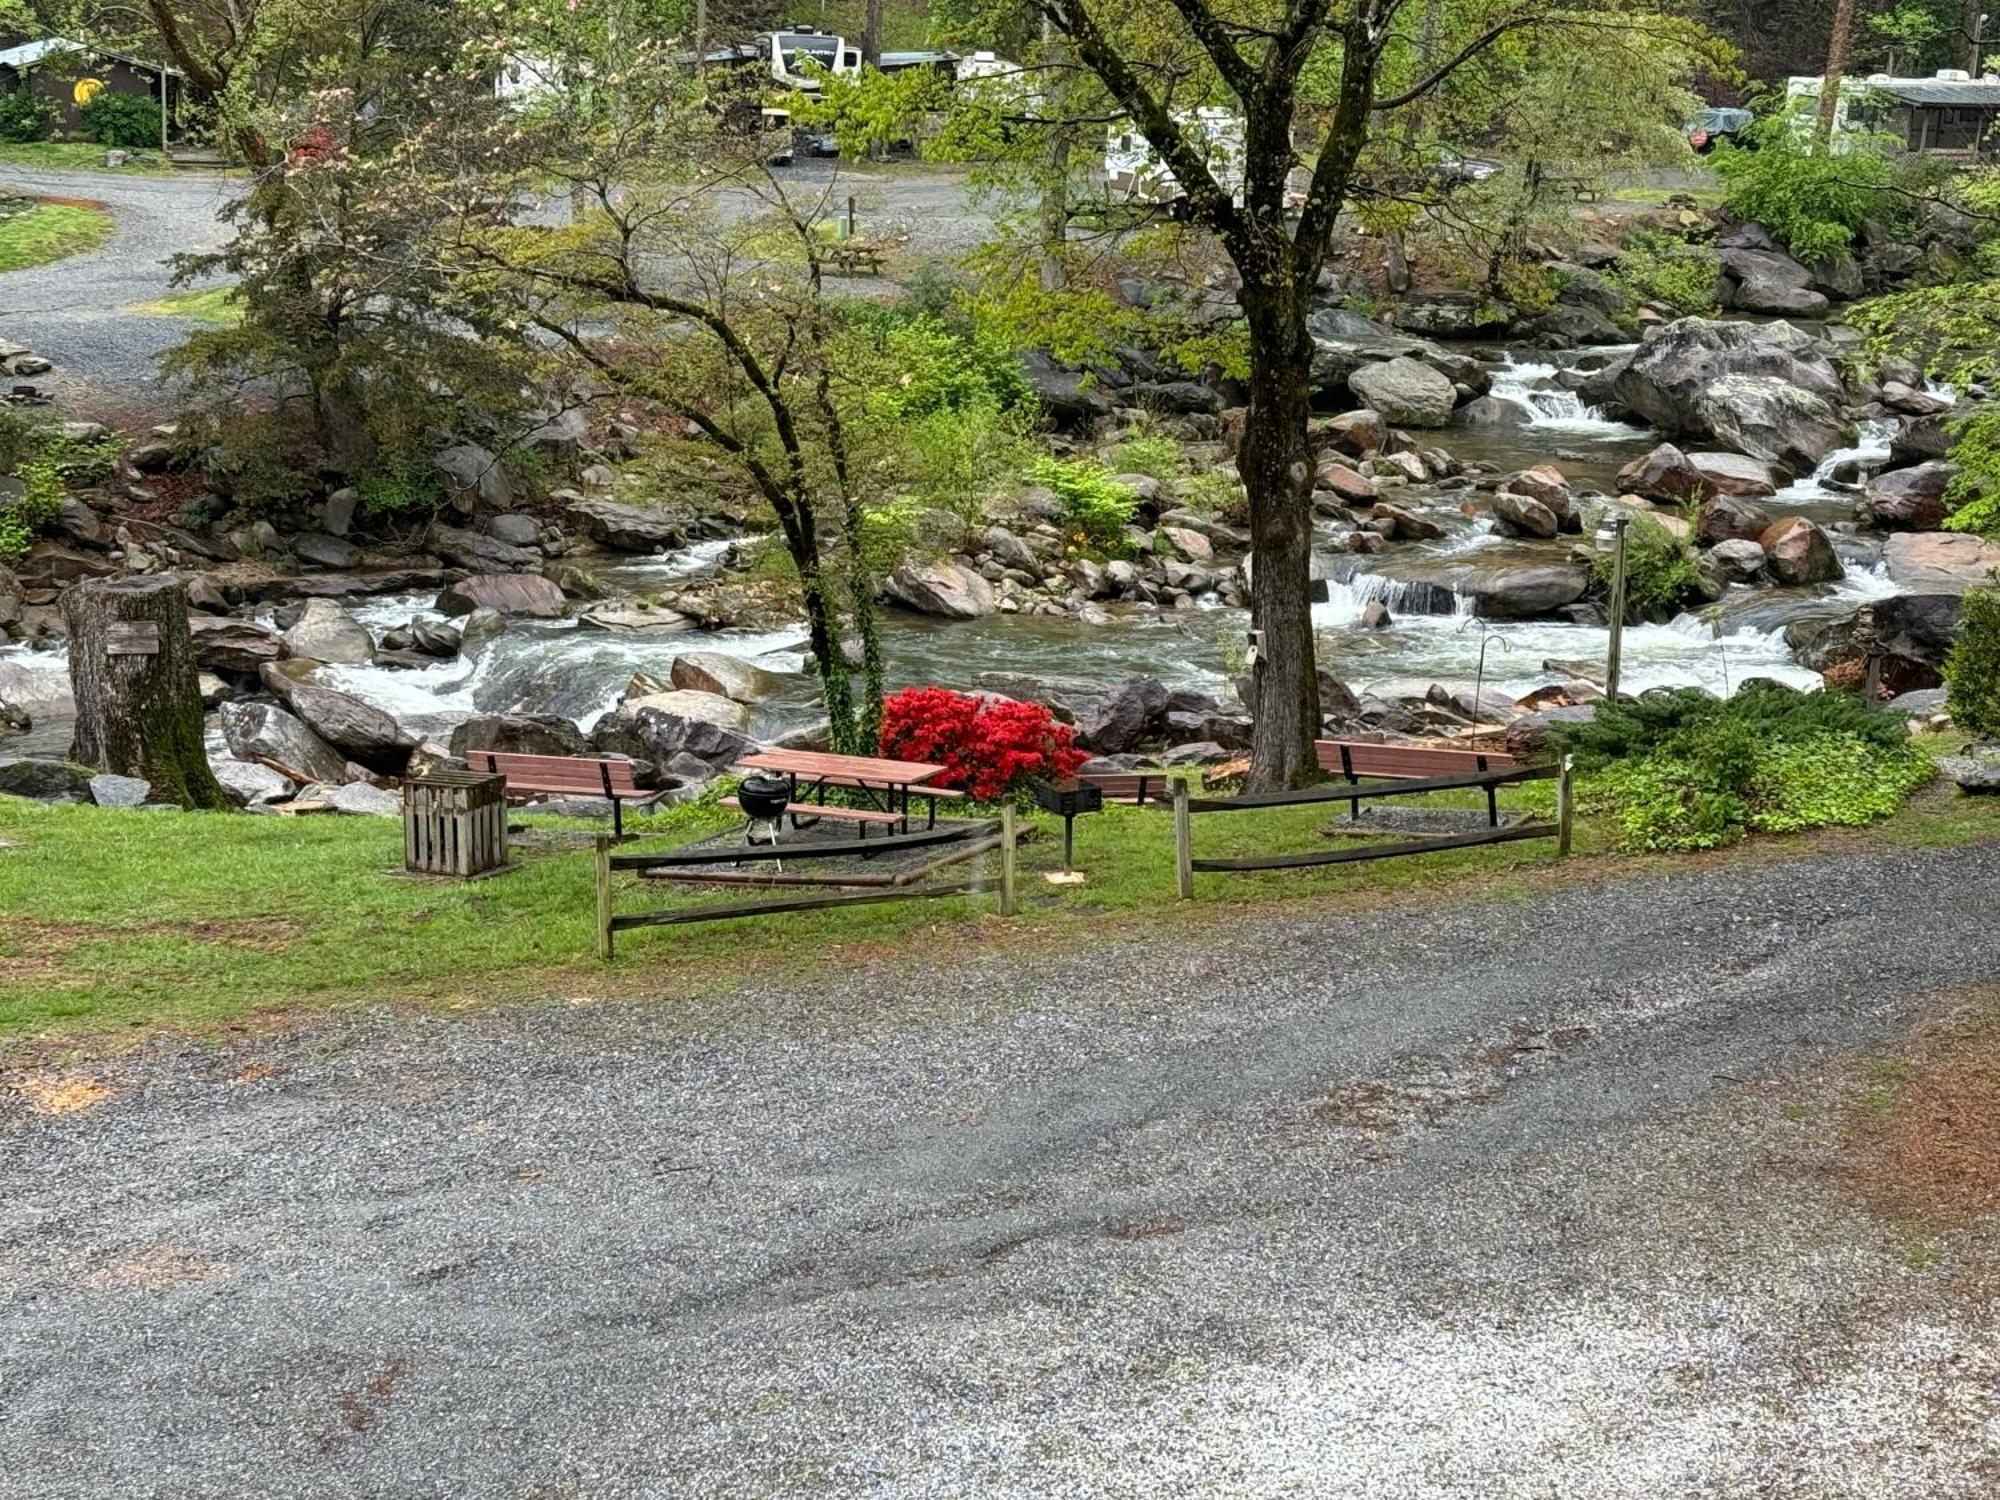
column 78, row 156
column 212, row 307
column 117, row 919
column 52, row 231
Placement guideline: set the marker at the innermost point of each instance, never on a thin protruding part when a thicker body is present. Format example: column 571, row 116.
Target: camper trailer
column 1134, row 173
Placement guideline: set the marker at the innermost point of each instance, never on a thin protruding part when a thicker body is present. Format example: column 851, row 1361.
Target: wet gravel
column 1528, row 1197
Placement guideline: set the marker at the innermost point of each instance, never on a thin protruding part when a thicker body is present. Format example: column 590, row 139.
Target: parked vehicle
column 1712, row 126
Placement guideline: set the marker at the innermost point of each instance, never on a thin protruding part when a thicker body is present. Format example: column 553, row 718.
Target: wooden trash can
column 455, row 823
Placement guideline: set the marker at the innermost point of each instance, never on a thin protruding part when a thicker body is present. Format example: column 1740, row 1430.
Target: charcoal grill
column 1068, row 798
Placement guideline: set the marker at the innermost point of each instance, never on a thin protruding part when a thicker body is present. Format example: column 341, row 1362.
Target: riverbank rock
column 626, row 528
column 687, row 749
column 235, row 646
column 361, row 799
column 1358, row 434
column 265, row 734
column 45, row 780
column 1735, row 474
column 1763, row 416
column 476, row 471
column 1798, row 552
column 248, row 784
column 1768, row 281
column 516, row 734
column 326, row 632
column 480, row 552
column 360, row 729
column 1519, row 515
column 698, row 707
column 1523, row 593
column 635, row 617
column 1740, row 561
column 725, row 676
column 120, row 791
column 1906, row 499
column 1670, row 380
column 1977, row 770
column 1126, row 717
column 1927, row 562
column 1666, row 473
column 1405, row 392
column 1728, row 519
column 943, row 589
column 526, row 594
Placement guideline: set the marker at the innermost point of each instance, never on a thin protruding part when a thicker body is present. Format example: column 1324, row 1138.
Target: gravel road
column 1525, row 1198
column 79, row 312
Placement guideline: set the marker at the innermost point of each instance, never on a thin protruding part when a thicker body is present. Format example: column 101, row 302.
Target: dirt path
column 1530, row 1198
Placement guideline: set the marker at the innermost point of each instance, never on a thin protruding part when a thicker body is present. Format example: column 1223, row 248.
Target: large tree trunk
column 138, row 707
column 1837, row 48
column 1276, row 465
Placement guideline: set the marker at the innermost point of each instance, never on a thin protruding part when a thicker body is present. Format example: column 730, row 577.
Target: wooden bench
column 857, row 258
column 566, row 776
column 1354, row 759
column 1135, row 787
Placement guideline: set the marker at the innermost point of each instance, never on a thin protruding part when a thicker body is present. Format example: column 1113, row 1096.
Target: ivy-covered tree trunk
column 138, row 706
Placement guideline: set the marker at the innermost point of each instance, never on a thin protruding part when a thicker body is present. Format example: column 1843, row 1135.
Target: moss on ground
column 52, row 231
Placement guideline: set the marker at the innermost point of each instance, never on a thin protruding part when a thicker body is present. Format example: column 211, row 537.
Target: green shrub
column 1813, row 203
column 1683, row 770
column 126, row 122
column 25, row 116
column 1656, row 267
column 1972, row 670
column 1095, row 509
column 28, row 514
column 1144, row 452
column 1661, row 570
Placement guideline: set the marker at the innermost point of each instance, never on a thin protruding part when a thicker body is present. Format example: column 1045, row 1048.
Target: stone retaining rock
column 267, row 735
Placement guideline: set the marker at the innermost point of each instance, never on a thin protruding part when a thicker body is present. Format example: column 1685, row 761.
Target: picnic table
column 887, row 785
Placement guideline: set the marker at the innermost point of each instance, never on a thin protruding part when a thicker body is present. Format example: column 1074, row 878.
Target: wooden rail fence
column 1186, row 805
column 953, row 844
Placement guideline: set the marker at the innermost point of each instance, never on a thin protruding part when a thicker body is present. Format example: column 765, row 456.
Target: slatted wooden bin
column 455, row 823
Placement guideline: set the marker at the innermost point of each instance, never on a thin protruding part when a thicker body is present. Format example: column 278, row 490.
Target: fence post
column 1183, row 843
column 1007, row 859
column 1565, row 807
column 604, row 898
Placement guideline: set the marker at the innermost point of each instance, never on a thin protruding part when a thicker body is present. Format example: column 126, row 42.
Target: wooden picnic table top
column 817, row 764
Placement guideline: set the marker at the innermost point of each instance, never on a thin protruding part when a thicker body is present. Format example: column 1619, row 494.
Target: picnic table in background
column 887, row 785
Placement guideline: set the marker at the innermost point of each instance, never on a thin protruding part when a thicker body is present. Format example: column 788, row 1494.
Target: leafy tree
column 1815, row 202
column 1972, row 671
column 1315, row 82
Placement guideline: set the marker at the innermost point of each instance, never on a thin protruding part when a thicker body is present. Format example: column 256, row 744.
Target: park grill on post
column 455, row 823
column 1067, row 798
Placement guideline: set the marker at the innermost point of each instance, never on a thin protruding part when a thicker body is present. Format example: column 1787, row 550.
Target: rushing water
column 561, row 667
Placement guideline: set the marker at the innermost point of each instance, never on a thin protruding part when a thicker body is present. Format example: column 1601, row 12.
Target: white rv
column 1134, row 173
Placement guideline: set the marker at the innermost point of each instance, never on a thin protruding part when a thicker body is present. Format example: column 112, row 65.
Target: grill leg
column 617, row 818
column 1492, row 807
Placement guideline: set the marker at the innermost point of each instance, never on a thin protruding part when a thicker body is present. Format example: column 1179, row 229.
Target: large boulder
column 1064, row 396
column 51, row 565
column 249, row 784
column 266, row 735
column 1768, row 281
column 1406, row 392
column 941, row 588
column 45, row 780
column 1735, row 474
column 1766, row 417
column 1523, row 593
column 527, row 594
column 636, row 617
column 705, row 708
column 626, row 528
column 362, row 730
column 319, row 550
column 517, row 734
column 1798, row 552
column 1358, row 434
column 326, row 632
column 237, row 646
column 1940, row 561
column 1126, row 717
column 478, row 472
column 1520, row 516
column 1665, row 380
column 650, row 734
column 1532, row 735
column 481, row 552
column 1907, row 499
column 724, row 676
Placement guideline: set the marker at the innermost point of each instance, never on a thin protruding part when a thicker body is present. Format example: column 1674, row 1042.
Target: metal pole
column 1615, row 660
column 853, row 228
column 604, row 898
column 1565, row 807
column 1069, row 835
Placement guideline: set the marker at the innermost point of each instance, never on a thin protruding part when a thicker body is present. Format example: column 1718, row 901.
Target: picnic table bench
column 1136, row 787
column 890, row 784
column 530, row 776
column 857, row 257
column 1354, row 759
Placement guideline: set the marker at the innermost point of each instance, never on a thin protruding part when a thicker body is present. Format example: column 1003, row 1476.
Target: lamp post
column 1610, row 538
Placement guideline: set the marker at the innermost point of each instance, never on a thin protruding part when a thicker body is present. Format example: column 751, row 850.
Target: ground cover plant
column 1681, row 770
column 51, row 231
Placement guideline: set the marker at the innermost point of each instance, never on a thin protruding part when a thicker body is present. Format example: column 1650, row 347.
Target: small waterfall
column 1550, row 408
column 1348, row 597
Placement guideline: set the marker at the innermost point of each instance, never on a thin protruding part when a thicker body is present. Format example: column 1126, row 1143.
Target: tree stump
column 138, row 706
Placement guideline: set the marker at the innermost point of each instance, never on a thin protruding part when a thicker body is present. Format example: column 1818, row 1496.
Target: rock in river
column 345, row 722
column 941, row 588
column 636, row 617
column 626, row 528
column 1797, row 552
column 704, row 708
column 1523, row 593
column 326, row 632
column 725, row 676
column 1907, row 499
column 267, row 735
column 1927, row 562
column 517, row 734
column 509, row 593
column 1406, row 392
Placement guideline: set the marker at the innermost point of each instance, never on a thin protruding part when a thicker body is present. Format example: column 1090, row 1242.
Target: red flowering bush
column 988, row 747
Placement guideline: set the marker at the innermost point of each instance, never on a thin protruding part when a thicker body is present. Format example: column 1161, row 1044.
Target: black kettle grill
column 764, row 798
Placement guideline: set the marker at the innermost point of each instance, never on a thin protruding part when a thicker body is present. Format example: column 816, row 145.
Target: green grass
column 212, row 307
column 128, row 920
column 51, row 231
column 78, row 156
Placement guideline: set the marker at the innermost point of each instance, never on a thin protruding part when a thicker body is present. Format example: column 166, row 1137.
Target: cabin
column 1948, row 114
column 62, row 71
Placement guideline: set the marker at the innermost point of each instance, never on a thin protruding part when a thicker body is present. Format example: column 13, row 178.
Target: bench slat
column 557, row 773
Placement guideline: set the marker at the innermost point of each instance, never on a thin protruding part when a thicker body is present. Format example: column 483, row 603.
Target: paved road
column 79, row 312
column 1524, row 1199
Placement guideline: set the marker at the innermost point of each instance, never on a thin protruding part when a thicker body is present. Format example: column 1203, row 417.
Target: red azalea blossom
column 987, row 746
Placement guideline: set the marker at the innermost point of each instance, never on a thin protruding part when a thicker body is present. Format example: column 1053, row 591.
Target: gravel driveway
column 1526, row 1198
column 79, row 312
